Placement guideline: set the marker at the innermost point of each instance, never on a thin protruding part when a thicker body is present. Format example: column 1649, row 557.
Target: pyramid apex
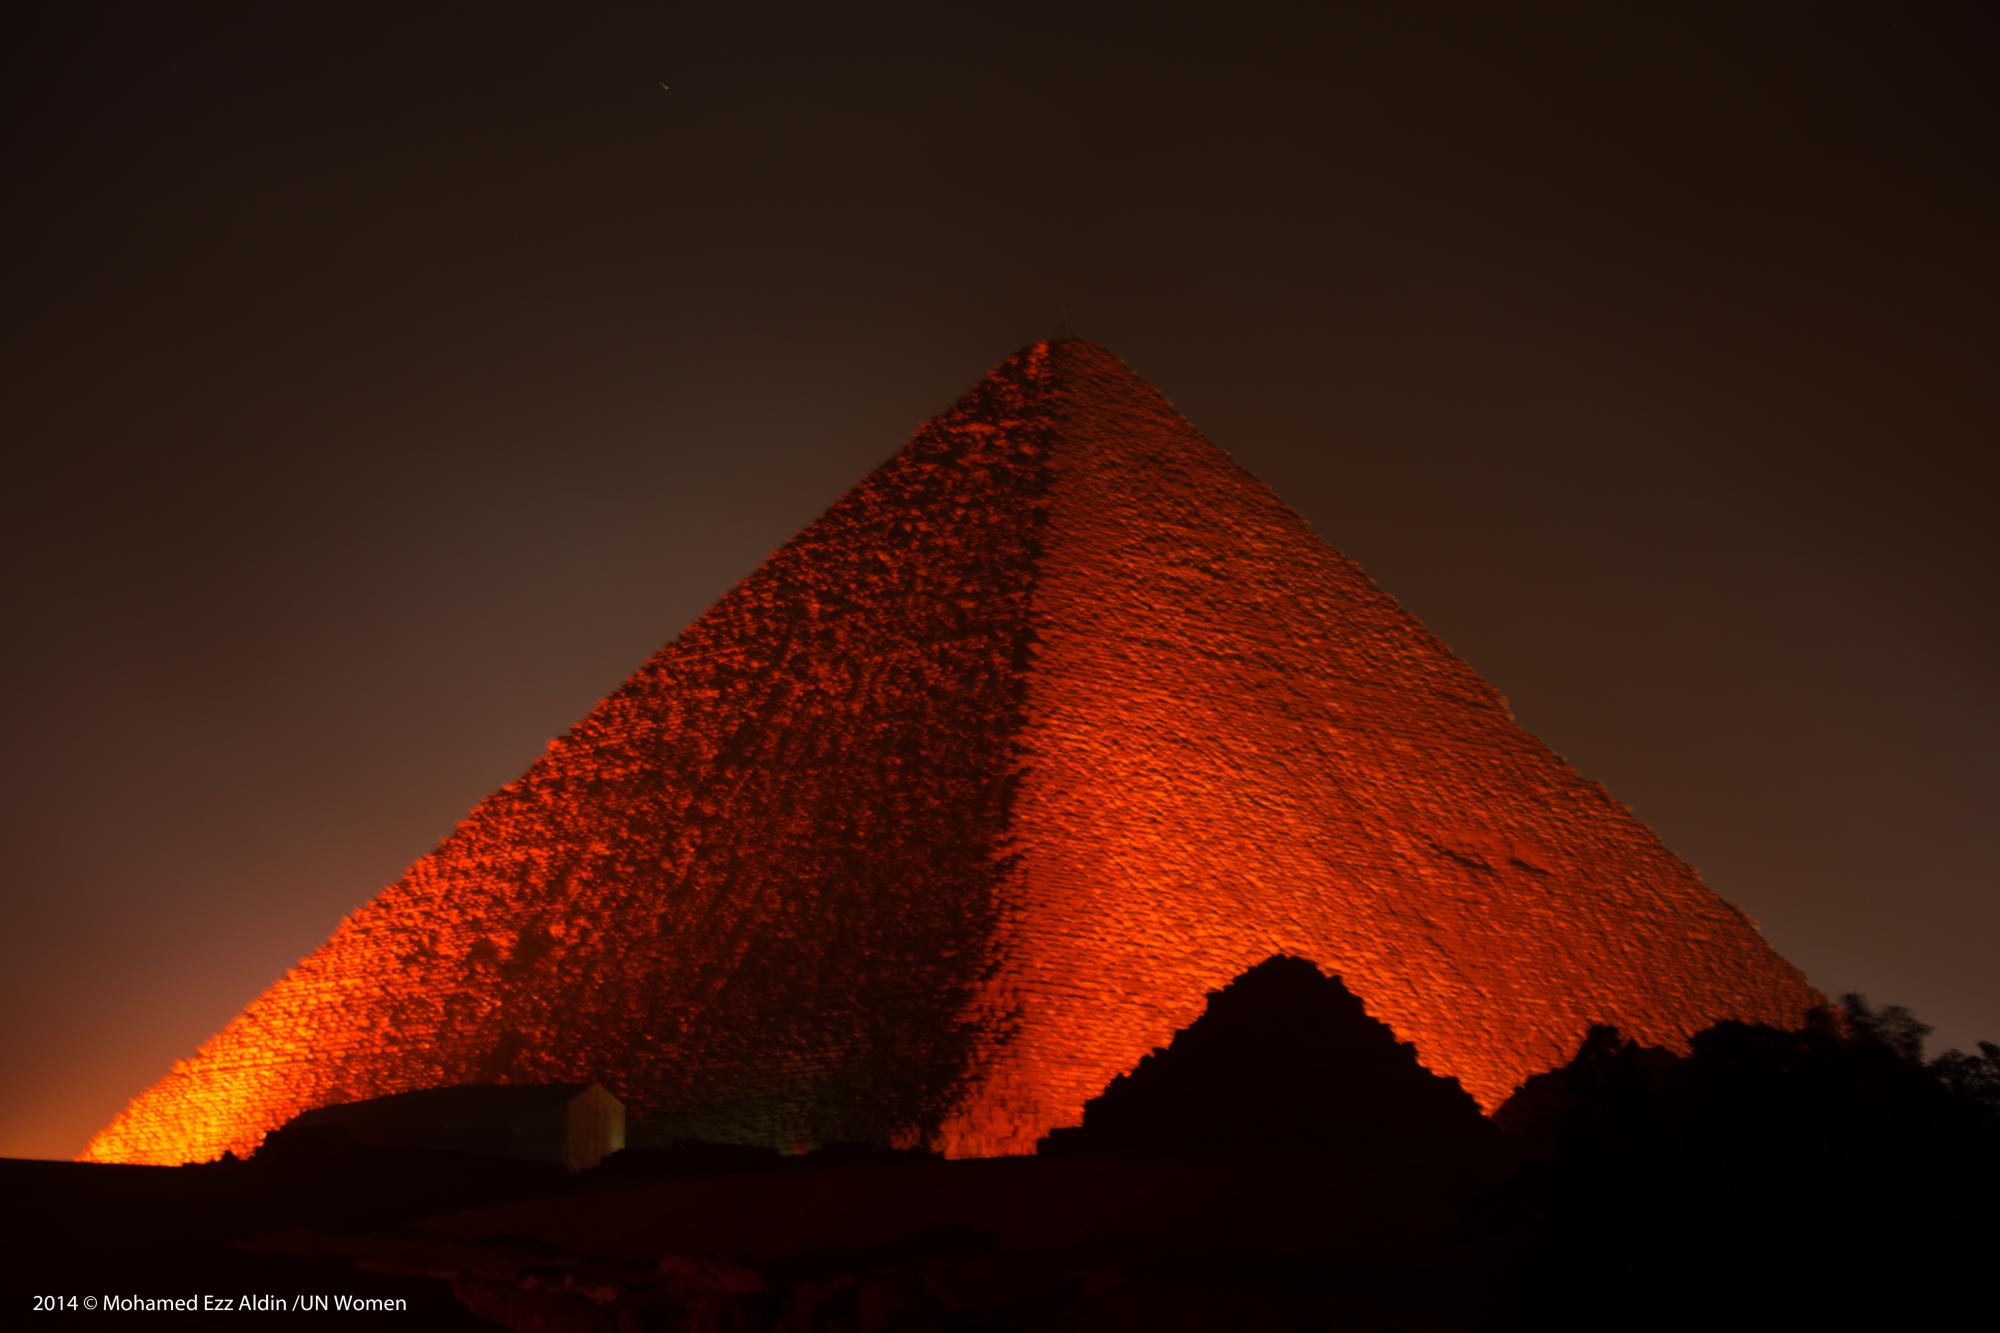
column 1063, row 353
column 1066, row 345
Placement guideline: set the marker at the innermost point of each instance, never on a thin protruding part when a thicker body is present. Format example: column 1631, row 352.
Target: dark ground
column 1283, row 1163
column 1084, row 1241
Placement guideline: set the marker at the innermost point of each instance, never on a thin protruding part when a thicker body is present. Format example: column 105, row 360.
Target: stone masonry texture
column 965, row 800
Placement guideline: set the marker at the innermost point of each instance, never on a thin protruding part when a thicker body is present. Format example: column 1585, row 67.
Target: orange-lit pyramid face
column 962, row 803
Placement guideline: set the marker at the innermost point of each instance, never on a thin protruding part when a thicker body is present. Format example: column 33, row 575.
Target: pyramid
column 1283, row 1058
column 964, row 801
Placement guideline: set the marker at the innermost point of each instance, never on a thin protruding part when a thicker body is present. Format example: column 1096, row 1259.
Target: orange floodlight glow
column 965, row 800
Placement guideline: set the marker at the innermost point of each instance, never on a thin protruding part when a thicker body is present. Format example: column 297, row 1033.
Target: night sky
column 383, row 387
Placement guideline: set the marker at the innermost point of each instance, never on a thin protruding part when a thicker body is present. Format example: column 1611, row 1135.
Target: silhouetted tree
column 1769, row 1179
column 1893, row 1026
column 1973, row 1077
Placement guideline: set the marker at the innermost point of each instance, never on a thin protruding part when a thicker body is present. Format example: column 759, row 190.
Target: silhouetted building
column 575, row 1124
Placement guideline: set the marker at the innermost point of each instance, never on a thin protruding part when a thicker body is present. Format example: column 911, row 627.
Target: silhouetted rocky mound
column 1284, row 1057
column 1538, row 1110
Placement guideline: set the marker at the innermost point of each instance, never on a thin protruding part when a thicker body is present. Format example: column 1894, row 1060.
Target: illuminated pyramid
column 966, row 799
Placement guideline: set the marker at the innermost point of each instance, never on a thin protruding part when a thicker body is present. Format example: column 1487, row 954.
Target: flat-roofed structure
column 576, row 1124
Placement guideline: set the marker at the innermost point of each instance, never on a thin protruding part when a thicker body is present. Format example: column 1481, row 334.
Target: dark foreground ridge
column 1283, row 1163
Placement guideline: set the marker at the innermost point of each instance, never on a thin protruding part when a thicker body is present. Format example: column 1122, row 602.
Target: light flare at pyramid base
column 966, row 799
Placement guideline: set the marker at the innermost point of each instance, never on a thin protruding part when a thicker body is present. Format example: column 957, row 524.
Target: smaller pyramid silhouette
column 1284, row 1056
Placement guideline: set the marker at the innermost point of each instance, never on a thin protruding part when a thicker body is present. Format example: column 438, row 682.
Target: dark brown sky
column 381, row 389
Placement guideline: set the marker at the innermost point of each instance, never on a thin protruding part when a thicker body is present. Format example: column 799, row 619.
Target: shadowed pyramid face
column 962, row 803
